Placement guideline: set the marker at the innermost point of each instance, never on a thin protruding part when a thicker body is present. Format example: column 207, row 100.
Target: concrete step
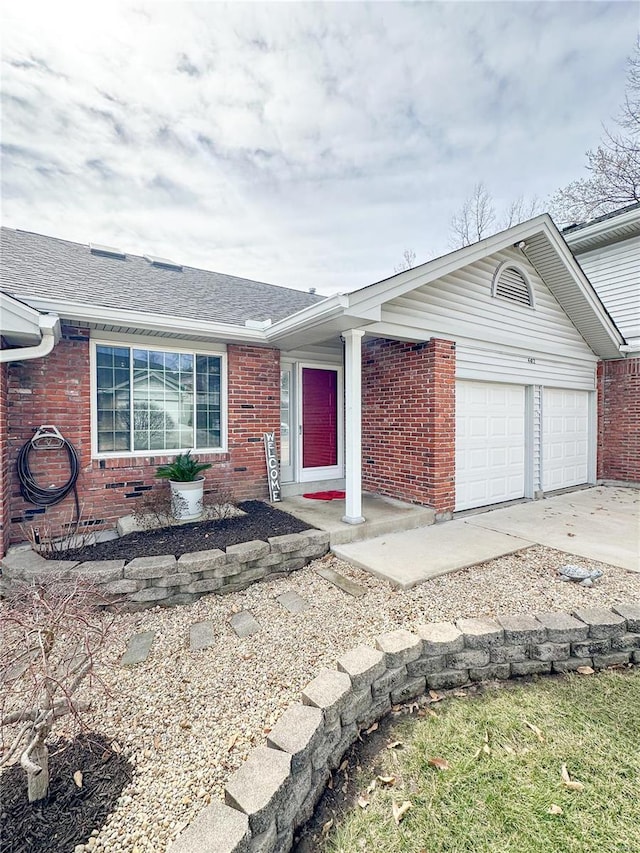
column 383, row 515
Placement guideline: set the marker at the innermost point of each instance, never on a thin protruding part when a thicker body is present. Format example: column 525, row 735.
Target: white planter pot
column 186, row 499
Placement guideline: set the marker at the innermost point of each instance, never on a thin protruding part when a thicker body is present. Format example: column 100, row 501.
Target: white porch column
column 353, row 425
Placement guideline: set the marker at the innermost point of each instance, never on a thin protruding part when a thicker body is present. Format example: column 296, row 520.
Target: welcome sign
column 273, row 469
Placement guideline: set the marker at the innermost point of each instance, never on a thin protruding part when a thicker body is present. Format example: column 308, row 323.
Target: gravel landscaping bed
column 259, row 522
column 186, row 719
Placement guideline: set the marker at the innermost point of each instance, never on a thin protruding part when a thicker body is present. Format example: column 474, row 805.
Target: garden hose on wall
column 47, row 438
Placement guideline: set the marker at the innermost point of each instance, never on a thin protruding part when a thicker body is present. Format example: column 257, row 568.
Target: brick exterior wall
column 56, row 390
column 4, row 462
column 619, row 420
column 408, row 421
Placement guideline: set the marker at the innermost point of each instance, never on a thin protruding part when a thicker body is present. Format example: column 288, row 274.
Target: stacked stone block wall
column 277, row 788
column 408, row 421
column 56, row 390
column 619, row 420
column 164, row 580
column 5, row 486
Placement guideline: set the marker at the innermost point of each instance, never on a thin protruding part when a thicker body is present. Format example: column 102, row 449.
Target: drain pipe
column 50, row 328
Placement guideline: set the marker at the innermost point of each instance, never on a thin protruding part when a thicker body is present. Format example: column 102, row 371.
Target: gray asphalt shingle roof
column 47, row 267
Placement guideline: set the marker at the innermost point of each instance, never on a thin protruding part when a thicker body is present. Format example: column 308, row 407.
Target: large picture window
column 156, row 400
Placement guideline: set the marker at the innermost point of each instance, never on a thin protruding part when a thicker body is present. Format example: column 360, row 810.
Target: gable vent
column 162, row 262
column 106, row 251
column 510, row 283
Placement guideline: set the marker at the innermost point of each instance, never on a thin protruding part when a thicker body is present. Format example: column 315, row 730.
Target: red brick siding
column 408, row 421
column 5, row 513
column 56, row 390
column 619, row 420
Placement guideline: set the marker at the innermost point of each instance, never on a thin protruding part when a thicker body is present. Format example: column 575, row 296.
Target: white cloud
column 304, row 144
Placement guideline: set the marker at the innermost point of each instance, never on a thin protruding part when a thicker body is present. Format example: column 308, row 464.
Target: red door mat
column 325, row 496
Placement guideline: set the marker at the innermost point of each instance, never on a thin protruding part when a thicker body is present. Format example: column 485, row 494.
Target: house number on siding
column 531, row 360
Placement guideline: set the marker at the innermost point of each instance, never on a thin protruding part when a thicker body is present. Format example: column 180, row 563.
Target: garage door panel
column 489, row 443
column 565, row 438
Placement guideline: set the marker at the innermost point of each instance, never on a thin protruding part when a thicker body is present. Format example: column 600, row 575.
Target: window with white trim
column 153, row 400
column 511, row 283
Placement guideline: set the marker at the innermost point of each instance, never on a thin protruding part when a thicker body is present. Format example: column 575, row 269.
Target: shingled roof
column 34, row 265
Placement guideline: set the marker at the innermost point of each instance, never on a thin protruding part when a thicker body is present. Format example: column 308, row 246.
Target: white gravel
column 187, row 720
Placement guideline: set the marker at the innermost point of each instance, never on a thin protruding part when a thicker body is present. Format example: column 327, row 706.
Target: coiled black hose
column 35, row 494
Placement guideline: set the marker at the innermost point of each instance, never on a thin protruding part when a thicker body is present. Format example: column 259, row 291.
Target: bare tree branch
column 408, row 261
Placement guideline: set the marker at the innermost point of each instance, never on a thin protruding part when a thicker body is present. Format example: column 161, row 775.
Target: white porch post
column 353, row 425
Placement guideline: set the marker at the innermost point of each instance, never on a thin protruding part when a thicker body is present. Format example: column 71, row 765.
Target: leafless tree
column 614, row 166
column 475, row 219
column 408, row 261
column 50, row 636
column 519, row 211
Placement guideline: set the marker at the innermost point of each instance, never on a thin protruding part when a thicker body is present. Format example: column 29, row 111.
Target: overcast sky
column 301, row 144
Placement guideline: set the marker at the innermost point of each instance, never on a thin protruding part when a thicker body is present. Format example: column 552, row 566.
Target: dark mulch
column 70, row 814
column 260, row 522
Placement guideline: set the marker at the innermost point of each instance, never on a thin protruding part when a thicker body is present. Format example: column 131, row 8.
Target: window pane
column 113, row 395
column 208, row 415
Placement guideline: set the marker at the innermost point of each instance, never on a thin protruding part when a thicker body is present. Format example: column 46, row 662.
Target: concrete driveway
column 600, row 523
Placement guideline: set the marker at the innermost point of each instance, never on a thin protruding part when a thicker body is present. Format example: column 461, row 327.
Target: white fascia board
column 604, row 228
column 29, row 318
column 404, row 282
column 314, row 315
column 80, row 313
column 595, row 303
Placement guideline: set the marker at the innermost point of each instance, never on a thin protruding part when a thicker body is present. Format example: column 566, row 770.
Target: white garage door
column 489, row 443
column 565, row 438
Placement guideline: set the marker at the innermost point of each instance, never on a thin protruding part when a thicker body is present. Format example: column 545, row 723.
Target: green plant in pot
column 187, row 485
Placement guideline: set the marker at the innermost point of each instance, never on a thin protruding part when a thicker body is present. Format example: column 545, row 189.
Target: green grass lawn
column 497, row 799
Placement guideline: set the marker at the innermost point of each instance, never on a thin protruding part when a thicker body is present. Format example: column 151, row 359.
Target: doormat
column 325, row 496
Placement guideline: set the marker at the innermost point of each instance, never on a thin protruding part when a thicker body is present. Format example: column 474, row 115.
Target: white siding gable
column 497, row 339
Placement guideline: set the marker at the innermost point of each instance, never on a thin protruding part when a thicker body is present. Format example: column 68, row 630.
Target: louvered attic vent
column 509, row 283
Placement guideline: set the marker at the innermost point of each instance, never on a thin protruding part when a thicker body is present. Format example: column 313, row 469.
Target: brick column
column 408, row 421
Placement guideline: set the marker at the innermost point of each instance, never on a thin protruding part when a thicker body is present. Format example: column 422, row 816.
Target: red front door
column 319, row 418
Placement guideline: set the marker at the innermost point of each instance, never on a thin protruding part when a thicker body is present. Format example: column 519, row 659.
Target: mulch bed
column 70, row 814
column 260, row 522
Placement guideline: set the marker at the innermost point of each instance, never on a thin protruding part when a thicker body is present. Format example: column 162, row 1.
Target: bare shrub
column 51, row 633
column 219, row 501
column 154, row 509
column 45, row 541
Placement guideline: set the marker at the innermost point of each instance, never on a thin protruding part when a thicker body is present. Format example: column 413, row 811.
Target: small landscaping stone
column 217, row 829
column 297, row 732
column 340, row 581
column 630, row 612
column 602, row 622
column 150, row 567
column 399, row 647
column 258, row 787
column 481, row 633
column 201, row 635
column 244, row 624
column 293, row 602
column 138, row 648
column 363, row 665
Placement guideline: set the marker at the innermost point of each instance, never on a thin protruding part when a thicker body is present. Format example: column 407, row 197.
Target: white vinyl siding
column 460, row 307
column 614, row 271
column 565, row 438
column 490, row 443
column 480, row 361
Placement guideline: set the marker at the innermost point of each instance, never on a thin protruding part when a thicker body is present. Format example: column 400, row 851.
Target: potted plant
column 186, row 484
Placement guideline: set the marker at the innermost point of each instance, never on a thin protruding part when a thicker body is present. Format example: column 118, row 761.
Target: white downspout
column 50, row 328
column 353, row 425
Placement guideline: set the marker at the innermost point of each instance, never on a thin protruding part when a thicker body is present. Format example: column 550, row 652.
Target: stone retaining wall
column 149, row 581
column 276, row 789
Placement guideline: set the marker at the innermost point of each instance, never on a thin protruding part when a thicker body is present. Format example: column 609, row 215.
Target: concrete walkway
column 600, row 523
